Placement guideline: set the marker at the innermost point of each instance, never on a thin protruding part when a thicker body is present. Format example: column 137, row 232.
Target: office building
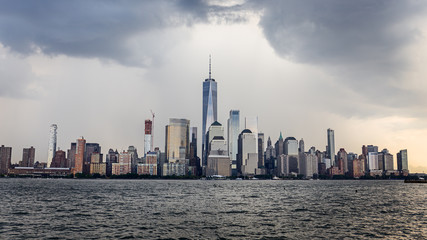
column 96, row 164
column 247, row 158
column 233, row 137
column 71, row 154
column 59, row 160
column 251, row 123
column 177, row 136
column 90, row 148
column 5, row 159
column 111, row 157
column 373, row 161
column 291, row 150
column 402, row 162
column 330, row 153
column 28, row 156
column 52, row 144
column 125, row 163
column 342, row 156
column 279, row 146
column 308, row 164
column 209, row 109
column 261, row 150
column 80, row 155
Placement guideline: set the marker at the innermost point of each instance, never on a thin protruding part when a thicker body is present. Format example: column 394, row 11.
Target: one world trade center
column 209, row 109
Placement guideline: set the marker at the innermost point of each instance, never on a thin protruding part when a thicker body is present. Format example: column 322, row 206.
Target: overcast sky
column 96, row 68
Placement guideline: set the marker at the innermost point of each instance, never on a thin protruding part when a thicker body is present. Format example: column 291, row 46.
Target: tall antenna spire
column 209, row 67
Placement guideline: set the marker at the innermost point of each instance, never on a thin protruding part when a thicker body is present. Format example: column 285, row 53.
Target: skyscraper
column 52, row 144
column 28, row 155
column 209, row 108
column 80, row 154
column 233, row 136
column 247, row 158
column 147, row 138
column 331, row 146
column 251, row 123
column 215, row 130
column 402, row 160
column 177, row 136
column 5, row 159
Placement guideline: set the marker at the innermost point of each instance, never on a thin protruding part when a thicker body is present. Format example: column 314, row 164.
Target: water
column 196, row 209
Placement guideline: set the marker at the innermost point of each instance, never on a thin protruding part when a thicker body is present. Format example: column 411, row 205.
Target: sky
column 97, row 69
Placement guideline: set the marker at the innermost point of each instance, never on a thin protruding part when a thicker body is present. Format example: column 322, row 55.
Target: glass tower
column 331, row 146
column 209, row 108
column 233, row 137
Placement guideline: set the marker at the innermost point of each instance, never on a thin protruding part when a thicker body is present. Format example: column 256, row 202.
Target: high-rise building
column 125, row 161
column 215, row 130
column 402, row 160
column 28, row 155
column 147, row 138
column 279, row 146
column 291, row 150
column 193, row 142
column 301, row 146
column 342, row 155
column 177, row 136
column 71, row 154
column 247, row 158
column 134, row 158
column 110, row 158
column 59, row 161
column 331, row 146
column 90, row 148
column 218, row 160
column 209, row 108
column 388, row 161
column 80, row 155
column 261, row 150
column 5, row 159
column 52, row 144
column 373, row 161
column 251, row 123
column 233, row 137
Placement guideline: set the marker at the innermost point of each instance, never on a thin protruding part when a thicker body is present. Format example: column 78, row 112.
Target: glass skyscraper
column 331, row 146
column 209, row 108
column 233, row 137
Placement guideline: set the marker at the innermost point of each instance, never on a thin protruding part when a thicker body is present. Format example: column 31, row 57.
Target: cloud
column 108, row 30
column 360, row 43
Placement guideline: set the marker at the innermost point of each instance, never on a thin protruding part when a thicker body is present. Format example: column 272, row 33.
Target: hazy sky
column 96, row 68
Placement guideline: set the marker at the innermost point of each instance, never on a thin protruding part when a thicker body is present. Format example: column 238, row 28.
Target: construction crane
column 152, row 131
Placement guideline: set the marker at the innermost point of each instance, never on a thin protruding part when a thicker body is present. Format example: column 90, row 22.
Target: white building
column 373, row 161
column 247, row 160
column 52, row 144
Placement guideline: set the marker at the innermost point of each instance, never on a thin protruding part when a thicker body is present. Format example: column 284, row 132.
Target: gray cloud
column 95, row 29
column 360, row 43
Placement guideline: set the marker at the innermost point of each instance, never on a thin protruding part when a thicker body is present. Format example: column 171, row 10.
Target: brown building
column 218, row 165
column 5, row 159
column 358, row 168
column 28, row 156
column 80, row 154
column 59, row 160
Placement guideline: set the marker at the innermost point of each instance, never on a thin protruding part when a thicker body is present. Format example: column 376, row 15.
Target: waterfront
column 196, row 209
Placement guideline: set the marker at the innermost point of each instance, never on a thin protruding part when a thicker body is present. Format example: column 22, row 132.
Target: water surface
column 196, row 209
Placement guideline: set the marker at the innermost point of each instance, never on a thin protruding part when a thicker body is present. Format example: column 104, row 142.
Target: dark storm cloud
column 100, row 29
column 360, row 43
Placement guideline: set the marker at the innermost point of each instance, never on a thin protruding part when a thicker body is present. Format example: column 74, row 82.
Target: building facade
column 52, row 144
column 177, row 136
column 209, row 109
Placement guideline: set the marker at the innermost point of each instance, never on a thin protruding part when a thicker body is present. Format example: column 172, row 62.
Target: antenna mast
column 209, row 67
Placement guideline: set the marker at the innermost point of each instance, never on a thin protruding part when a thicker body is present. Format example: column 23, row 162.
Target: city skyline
column 369, row 88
